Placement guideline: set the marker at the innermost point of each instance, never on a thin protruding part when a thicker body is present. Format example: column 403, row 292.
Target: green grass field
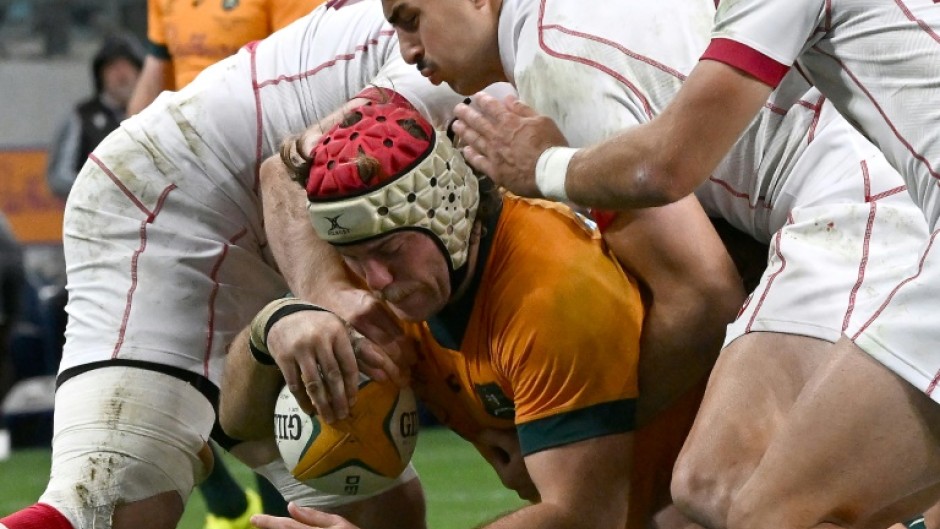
column 462, row 490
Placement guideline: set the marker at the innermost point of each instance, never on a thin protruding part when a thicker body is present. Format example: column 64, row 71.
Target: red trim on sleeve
column 746, row 59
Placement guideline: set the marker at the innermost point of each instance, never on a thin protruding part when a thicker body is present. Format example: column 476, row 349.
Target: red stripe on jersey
column 923, row 25
column 866, row 245
column 134, row 261
column 214, row 276
column 746, row 59
column 920, row 270
column 817, row 111
column 770, row 280
column 897, row 134
column 647, row 107
column 258, row 85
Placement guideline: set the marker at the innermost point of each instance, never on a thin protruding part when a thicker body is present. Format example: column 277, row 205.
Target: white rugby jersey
column 877, row 60
column 166, row 252
column 216, row 131
column 596, row 75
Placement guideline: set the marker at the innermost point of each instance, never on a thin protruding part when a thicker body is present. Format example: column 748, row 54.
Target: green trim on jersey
column 607, row 418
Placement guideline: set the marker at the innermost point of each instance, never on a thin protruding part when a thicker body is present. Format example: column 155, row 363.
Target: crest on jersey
column 495, row 401
column 228, row 5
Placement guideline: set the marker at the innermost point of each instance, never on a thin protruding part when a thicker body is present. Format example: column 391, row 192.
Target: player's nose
column 411, row 49
column 377, row 275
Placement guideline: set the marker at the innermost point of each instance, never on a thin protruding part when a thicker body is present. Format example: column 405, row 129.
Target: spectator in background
column 186, row 37
column 116, row 68
column 12, row 279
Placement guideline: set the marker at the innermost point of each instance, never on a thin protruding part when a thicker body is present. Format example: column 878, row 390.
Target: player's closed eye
column 408, row 23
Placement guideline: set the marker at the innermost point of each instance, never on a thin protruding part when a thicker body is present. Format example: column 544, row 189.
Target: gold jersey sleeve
column 550, row 342
column 196, row 33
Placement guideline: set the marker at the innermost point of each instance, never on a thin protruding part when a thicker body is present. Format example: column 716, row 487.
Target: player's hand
column 504, row 140
column 316, row 352
column 303, row 518
column 383, row 355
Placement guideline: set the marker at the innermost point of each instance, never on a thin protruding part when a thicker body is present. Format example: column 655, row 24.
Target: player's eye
column 408, row 23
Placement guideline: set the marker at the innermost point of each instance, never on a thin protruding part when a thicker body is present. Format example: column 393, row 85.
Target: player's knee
column 162, row 511
column 699, row 490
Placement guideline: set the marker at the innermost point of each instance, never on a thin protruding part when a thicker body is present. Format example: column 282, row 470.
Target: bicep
column 590, row 478
column 712, row 110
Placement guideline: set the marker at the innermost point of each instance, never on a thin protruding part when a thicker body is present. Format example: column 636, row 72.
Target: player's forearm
column 248, row 394
column 664, row 160
column 310, row 265
column 629, row 171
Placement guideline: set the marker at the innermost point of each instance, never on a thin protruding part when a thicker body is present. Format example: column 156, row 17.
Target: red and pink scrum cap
column 385, row 168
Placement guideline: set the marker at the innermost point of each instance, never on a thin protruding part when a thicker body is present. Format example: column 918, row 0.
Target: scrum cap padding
column 384, row 169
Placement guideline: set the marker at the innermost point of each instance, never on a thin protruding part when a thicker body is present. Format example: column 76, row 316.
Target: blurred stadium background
column 46, row 47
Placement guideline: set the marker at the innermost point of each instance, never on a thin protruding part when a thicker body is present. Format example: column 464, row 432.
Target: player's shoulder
column 544, row 251
column 538, row 220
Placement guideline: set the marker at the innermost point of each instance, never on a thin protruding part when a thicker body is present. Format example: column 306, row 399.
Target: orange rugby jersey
column 546, row 340
column 196, row 33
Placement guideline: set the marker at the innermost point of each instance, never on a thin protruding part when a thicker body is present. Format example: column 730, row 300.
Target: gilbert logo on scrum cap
column 335, row 227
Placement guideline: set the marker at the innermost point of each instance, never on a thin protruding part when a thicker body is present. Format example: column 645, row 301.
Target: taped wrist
column 266, row 318
column 551, row 171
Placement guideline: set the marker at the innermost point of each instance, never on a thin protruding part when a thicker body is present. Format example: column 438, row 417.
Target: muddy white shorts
column 160, row 270
column 124, row 434
column 903, row 331
column 829, row 263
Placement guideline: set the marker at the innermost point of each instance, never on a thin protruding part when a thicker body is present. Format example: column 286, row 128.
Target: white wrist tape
column 551, row 169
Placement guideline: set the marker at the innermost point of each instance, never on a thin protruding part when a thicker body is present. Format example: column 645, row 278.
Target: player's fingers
column 313, row 386
column 265, row 521
column 375, row 362
column 469, row 137
column 340, row 375
column 519, row 108
column 469, row 117
column 490, row 108
column 479, row 162
column 377, row 324
column 315, row 518
column 294, row 381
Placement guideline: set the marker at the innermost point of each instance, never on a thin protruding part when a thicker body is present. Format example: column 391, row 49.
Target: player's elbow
column 670, row 178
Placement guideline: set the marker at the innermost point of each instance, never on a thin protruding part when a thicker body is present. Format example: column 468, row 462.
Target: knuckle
column 333, row 375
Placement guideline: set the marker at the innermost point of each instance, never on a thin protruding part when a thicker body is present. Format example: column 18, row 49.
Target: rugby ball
column 358, row 456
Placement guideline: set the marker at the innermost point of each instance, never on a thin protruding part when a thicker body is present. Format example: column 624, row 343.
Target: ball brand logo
column 352, row 484
column 335, row 227
column 408, row 424
column 228, row 5
column 287, row 427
